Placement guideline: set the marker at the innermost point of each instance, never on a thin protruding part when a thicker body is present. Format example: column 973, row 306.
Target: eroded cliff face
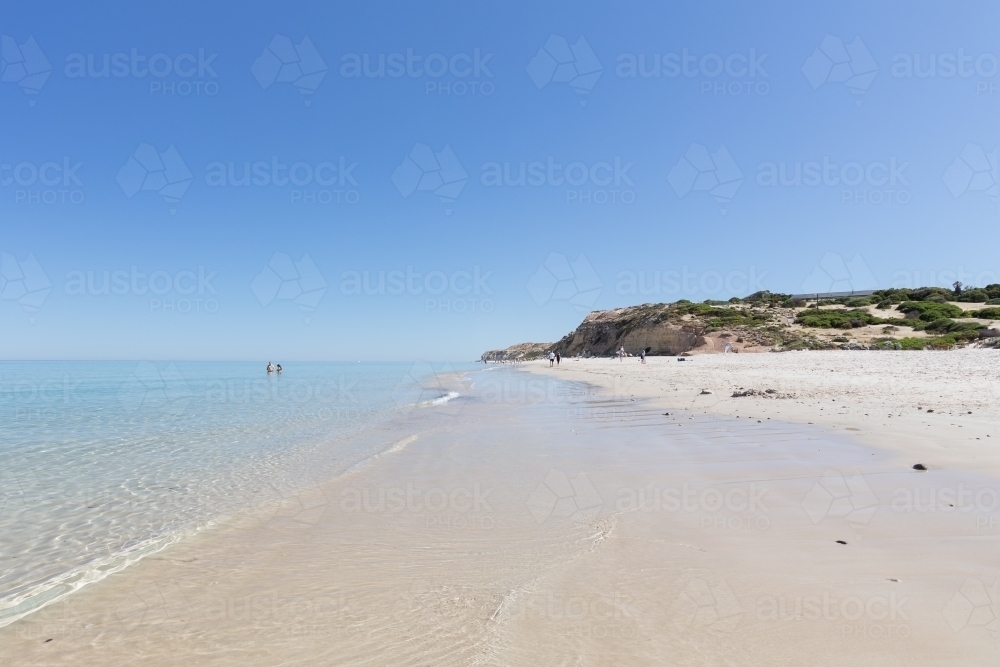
column 653, row 328
column 521, row 352
column 638, row 328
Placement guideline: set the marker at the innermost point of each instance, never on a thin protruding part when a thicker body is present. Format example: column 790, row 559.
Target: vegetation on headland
column 766, row 319
column 929, row 309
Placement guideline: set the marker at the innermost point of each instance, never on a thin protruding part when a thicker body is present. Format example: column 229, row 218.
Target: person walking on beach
column 621, row 353
column 552, row 359
column 642, row 357
column 558, row 358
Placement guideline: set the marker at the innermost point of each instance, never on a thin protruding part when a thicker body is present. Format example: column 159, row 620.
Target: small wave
column 441, row 400
column 398, row 445
column 41, row 595
column 394, row 447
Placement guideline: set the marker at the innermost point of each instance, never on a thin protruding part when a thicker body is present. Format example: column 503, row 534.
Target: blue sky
column 677, row 182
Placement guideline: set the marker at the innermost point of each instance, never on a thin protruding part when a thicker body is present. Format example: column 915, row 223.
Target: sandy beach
column 603, row 513
column 942, row 409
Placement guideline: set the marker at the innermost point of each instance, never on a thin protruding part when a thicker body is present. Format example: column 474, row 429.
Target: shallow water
column 531, row 521
column 102, row 463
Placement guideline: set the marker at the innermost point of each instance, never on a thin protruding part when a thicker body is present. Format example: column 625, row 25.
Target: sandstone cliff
column 519, row 352
column 637, row 328
column 659, row 329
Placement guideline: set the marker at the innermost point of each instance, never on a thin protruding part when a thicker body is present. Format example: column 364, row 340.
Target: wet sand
column 542, row 523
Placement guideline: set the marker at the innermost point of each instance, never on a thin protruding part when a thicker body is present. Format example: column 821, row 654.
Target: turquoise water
column 102, row 463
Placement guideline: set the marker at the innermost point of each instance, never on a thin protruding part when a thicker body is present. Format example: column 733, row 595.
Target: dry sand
column 546, row 523
column 938, row 408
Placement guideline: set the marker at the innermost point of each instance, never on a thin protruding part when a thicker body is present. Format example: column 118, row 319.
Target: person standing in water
column 270, row 367
column 278, row 368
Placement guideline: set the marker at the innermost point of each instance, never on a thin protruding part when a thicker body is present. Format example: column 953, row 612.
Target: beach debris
column 919, row 466
column 761, row 393
column 666, row 414
column 841, row 542
column 930, row 409
column 705, row 391
column 681, row 359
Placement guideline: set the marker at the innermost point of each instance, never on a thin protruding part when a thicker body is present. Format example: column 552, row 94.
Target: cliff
column 520, row 352
column 637, row 328
column 927, row 318
column 659, row 329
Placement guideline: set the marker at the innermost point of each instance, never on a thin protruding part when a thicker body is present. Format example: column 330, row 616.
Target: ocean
column 102, row 463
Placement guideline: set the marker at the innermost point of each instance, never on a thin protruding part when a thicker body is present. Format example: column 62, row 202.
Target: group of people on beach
column 622, row 354
column 554, row 359
column 271, row 368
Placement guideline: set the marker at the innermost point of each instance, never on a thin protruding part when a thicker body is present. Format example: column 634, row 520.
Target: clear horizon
column 394, row 183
